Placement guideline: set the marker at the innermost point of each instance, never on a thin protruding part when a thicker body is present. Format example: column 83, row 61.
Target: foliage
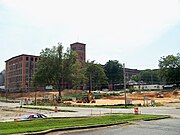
column 114, row 71
column 170, row 68
column 135, row 78
column 51, row 123
column 97, row 74
column 56, row 67
column 147, row 76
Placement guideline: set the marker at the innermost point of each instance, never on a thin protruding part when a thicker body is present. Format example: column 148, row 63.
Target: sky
column 135, row 32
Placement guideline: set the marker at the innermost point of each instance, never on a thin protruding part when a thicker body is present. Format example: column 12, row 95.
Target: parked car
column 31, row 117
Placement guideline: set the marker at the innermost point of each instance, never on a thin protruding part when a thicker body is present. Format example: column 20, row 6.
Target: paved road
column 158, row 127
column 13, row 112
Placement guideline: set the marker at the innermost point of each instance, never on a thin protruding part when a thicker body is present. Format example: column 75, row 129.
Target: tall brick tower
column 80, row 48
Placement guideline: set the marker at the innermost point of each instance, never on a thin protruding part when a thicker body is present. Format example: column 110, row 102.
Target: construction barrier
column 135, row 110
column 56, row 109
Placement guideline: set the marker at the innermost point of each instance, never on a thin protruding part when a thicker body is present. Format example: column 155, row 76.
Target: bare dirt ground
column 171, row 98
column 168, row 98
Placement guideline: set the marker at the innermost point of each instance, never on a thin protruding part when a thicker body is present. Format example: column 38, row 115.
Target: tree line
column 168, row 72
column 62, row 69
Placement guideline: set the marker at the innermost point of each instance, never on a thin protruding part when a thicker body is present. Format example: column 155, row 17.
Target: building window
column 31, row 72
column 35, row 59
column 26, row 78
column 20, row 59
column 26, row 71
column 27, row 58
column 27, row 64
column 32, row 64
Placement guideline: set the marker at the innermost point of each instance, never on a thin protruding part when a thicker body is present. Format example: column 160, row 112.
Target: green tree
column 114, row 71
column 135, row 78
column 170, row 68
column 97, row 74
column 147, row 76
column 56, row 67
column 78, row 77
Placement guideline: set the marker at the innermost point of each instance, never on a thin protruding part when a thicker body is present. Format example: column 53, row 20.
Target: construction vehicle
column 89, row 98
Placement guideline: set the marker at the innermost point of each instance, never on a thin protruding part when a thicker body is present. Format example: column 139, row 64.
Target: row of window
column 77, row 48
column 31, row 72
column 19, row 65
column 28, row 78
column 15, row 61
column 15, row 79
column 32, row 65
column 15, row 66
column 17, row 72
column 32, row 59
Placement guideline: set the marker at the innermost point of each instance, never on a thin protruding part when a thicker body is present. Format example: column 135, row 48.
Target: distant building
column 130, row 72
column 148, row 87
column 2, row 78
column 80, row 49
column 19, row 72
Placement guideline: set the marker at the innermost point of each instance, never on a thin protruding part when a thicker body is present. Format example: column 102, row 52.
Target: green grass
column 48, row 109
column 51, row 123
column 109, row 106
column 158, row 104
column 91, row 106
column 2, row 98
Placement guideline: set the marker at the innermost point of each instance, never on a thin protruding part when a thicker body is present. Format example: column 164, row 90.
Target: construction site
column 83, row 98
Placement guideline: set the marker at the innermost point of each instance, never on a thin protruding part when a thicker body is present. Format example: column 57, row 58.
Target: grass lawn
column 92, row 106
column 48, row 109
column 2, row 98
column 51, row 123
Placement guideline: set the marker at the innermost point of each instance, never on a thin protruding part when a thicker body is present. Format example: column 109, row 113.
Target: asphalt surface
column 8, row 111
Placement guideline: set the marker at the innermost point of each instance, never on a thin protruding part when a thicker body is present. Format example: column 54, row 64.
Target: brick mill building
column 80, row 49
column 19, row 72
column 20, row 69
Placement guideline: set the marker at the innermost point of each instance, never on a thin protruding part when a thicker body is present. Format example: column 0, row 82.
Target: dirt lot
column 171, row 98
column 168, row 98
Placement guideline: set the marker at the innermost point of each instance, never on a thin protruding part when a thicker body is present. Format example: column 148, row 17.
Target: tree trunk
column 60, row 96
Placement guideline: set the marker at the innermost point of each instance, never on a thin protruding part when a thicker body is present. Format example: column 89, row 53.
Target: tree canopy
column 96, row 72
column 114, row 71
column 56, row 67
column 147, row 76
column 170, row 68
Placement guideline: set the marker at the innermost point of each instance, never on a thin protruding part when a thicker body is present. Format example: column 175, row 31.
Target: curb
column 164, row 117
column 86, row 127
column 73, row 128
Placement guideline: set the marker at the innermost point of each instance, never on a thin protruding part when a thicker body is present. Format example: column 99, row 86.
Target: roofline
column 78, row 43
column 19, row 56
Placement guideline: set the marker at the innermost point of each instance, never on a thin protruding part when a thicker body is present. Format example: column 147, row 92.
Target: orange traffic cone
column 56, row 109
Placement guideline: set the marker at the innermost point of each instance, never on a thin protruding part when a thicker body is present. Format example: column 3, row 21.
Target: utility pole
column 90, row 83
column 151, row 78
column 124, row 72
